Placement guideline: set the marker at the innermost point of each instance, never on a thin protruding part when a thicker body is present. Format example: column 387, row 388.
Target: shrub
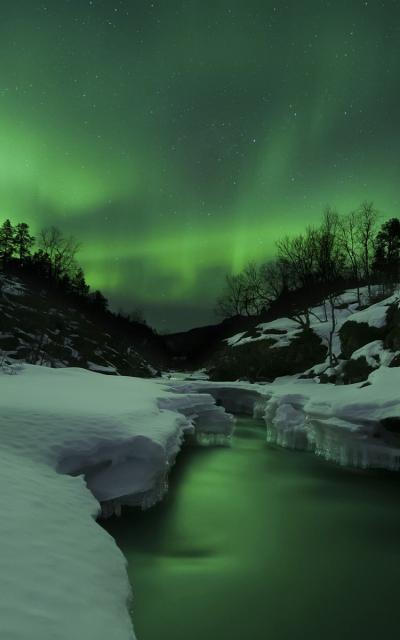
column 354, row 335
column 260, row 360
column 392, row 337
column 356, row 370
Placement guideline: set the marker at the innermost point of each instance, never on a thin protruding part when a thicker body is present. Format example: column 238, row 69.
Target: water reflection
column 256, row 542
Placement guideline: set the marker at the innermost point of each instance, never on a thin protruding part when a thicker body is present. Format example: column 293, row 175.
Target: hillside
column 42, row 325
column 330, row 388
column 365, row 335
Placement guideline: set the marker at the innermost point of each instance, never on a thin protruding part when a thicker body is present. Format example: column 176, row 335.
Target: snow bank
column 341, row 423
column 238, row 398
column 375, row 315
column 62, row 575
column 198, row 374
column 375, row 354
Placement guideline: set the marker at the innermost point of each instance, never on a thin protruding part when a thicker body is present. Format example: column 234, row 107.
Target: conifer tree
column 99, row 302
column 387, row 251
column 7, row 241
column 24, row 241
column 78, row 283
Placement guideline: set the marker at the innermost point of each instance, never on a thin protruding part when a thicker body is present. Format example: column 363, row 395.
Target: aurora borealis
column 178, row 140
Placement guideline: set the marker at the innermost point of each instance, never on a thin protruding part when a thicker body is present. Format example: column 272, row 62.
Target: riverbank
column 71, row 439
column 352, row 425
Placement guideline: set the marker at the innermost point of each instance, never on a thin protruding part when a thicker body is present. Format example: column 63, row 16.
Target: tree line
column 52, row 256
column 341, row 249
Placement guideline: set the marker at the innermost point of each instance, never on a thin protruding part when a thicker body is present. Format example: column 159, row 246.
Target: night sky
column 178, row 140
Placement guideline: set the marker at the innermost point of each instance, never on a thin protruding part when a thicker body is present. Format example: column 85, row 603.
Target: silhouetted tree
column 244, row 293
column 276, row 279
column 24, row 241
column 330, row 256
column 299, row 257
column 7, row 241
column 350, row 236
column 299, row 254
column 78, row 283
column 98, row 301
column 387, row 252
column 40, row 264
column 61, row 251
column 230, row 303
column 368, row 218
column 137, row 315
column 255, row 294
column 330, row 263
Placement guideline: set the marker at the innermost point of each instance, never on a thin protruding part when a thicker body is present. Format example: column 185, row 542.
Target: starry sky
column 178, row 140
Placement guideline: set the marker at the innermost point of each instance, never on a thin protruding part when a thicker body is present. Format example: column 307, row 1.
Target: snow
column 198, row 374
column 375, row 315
column 346, row 308
column 62, row 576
column 374, row 353
column 101, row 368
column 342, row 423
column 236, row 338
column 281, row 324
column 349, row 296
column 11, row 286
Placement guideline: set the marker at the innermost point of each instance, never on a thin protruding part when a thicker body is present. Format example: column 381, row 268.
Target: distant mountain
column 191, row 349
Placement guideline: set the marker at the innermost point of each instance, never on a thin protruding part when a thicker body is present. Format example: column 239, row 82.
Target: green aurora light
column 178, row 140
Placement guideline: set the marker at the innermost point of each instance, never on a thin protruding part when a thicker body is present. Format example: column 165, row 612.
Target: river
column 255, row 542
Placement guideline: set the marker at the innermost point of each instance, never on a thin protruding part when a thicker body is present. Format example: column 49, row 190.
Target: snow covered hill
column 342, row 345
column 41, row 326
column 70, row 439
column 345, row 406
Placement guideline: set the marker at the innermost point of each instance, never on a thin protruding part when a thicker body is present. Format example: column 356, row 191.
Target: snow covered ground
column 347, row 308
column 342, row 423
column 70, row 438
column 199, row 374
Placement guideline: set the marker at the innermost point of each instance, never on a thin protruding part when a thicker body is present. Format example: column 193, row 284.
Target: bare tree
column 368, row 217
column 298, row 255
column 315, row 259
column 255, row 296
column 330, row 263
column 330, row 257
column 276, row 279
column 349, row 236
column 61, row 251
column 244, row 293
column 230, row 303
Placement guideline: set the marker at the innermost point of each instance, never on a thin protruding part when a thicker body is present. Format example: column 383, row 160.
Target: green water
column 254, row 542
